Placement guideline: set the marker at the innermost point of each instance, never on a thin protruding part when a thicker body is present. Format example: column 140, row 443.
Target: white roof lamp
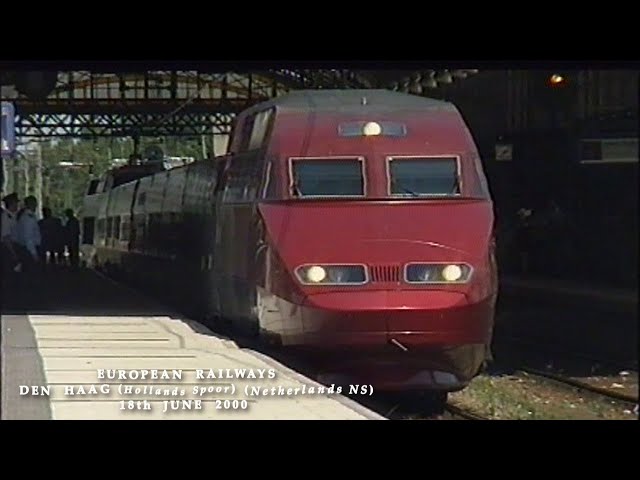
column 371, row 129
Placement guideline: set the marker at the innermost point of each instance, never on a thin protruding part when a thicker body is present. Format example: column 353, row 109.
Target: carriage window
column 108, row 183
column 245, row 133
column 116, row 228
column 93, row 187
column 260, row 129
column 424, row 176
column 269, row 184
column 327, row 178
column 88, row 227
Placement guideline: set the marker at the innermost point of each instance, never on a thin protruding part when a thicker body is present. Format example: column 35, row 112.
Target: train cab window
column 327, row 177
column 427, row 176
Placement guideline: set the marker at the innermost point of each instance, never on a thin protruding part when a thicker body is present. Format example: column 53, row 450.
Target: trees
column 68, row 165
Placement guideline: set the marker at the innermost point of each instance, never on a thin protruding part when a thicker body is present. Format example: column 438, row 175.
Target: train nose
column 380, row 317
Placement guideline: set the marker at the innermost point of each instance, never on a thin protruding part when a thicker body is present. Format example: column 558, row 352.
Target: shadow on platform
column 80, row 292
column 85, row 293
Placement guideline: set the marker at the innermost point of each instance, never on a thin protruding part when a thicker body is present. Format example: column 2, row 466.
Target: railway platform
column 569, row 291
column 76, row 345
column 585, row 318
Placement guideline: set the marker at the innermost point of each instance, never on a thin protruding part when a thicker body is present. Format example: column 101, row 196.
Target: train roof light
column 366, row 129
column 371, row 129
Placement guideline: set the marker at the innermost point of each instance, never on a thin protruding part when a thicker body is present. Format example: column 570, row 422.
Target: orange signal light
column 556, row 79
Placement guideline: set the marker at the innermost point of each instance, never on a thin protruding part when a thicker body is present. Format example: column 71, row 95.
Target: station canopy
column 89, row 104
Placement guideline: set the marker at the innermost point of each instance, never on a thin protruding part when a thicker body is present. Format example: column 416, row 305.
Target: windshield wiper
column 296, row 189
column 455, row 186
column 406, row 190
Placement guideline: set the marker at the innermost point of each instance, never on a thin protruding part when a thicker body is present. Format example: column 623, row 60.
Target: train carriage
column 354, row 227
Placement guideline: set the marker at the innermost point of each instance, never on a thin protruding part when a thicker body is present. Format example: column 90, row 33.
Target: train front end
column 381, row 265
column 398, row 296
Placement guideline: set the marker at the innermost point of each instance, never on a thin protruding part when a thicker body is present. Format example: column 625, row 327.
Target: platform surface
column 76, row 326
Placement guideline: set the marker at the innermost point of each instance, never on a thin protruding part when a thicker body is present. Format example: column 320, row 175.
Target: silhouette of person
column 28, row 234
column 72, row 237
column 9, row 223
column 52, row 237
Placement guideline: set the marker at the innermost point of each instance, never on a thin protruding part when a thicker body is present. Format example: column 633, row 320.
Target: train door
column 90, row 210
column 189, row 255
column 208, row 209
column 229, row 244
column 155, row 259
column 258, row 248
column 171, row 221
column 238, row 213
column 219, row 290
column 130, row 228
column 105, row 189
column 139, row 230
column 201, row 244
column 234, row 229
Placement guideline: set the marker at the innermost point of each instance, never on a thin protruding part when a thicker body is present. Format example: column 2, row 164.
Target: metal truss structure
column 164, row 103
column 177, row 103
column 118, row 125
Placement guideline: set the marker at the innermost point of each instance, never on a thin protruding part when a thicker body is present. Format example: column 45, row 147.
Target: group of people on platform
column 29, row 243
column 542, row 241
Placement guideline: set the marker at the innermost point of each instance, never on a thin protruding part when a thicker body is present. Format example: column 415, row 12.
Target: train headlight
column 332, row 274
column 452, row 273
column 315, row 274
column 435, row 273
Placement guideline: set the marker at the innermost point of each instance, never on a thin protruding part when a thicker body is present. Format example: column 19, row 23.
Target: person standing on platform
column 10, row 259
column 524, row 240
column 52, row 237
column 28, row 234
column 72, row 237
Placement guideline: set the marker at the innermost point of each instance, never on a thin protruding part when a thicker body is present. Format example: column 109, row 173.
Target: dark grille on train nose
column 385, row 273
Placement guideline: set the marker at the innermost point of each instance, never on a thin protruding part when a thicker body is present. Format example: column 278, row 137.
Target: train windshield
column 423, row 177
column 335, row 177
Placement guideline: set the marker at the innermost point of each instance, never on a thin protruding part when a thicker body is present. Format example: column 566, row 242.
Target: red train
column 355, row 227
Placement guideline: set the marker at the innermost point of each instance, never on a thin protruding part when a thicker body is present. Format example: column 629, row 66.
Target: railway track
column 408, row 408
column 462, row 414
column 542, row 346
column 580, row 385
